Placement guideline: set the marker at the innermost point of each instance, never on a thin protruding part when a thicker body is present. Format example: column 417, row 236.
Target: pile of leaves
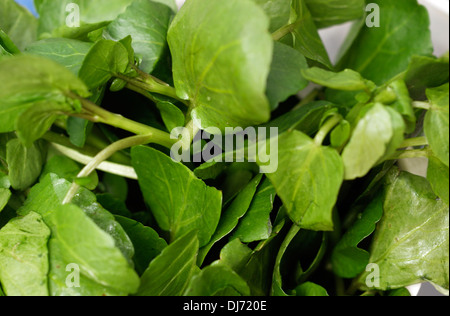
column 91, row 202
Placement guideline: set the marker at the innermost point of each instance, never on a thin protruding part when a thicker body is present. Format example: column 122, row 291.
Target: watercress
column 95, row 95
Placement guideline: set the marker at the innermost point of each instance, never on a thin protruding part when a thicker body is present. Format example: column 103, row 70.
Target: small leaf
column 310, row 289
column 24, row 163
column 368, row 143
column 308, row 180
column 147, row 22
column 347, row 259
column 436, row 123
column 327, row 13
column 438, row 176
column 346, row 80
column 285, row 78
column 104, row 60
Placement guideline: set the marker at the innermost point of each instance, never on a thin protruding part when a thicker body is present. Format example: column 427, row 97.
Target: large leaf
column 80, row 241
column 411, row 242
column 18, row 23
column 54, row 15
column 179, row 201
column 308, row 180
column 147, row 22
column 24, row 256
column 437, row 121
column 67, row 52
column 222, row 64
column 30, row 79
column 331, row 12
column 170, row 272
column 49, row 194
column 380, row 53
column 371, row 136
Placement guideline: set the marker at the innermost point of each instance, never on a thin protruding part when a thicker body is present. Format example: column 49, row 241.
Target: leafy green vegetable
column 198, row 206
column 436, row 122
column 18, row 23
column 24, row 271
column 148, row 21
column 380, row 53
column 401, row 259
column 215, row 150
column 224, row 74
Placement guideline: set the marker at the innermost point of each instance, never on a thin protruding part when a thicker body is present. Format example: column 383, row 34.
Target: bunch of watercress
column 91, row 202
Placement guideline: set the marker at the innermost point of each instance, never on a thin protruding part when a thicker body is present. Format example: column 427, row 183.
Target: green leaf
column 347, row 259
column 403, row 104
column 179, row 201
column 18, row 23
column 27, row 80
column 105, row 60
column 306, row 38
column 380, row 53
column 56, row 15
column 436, row 122
column 24, row 163
column 83, row 243
column 285, row 78
column 411, row 241
column 277, row 10
column 341, row 134
column 35, row 121
column 217, row 280
column 24, row 256
column 7, row 47
column 49, row 194
column 425, row 72
column 78, row 130
column 308, row 180
column 222, row 64
column 256, row 224
column 172, row 116
column 310, row 289
column 169, row 273
column 230, row 217
column 147, row 22
column 146, row 241
column 369, row 141
column 68, row 52
column 5, row 195
column 438, row 176
column 331, row 12
column 346, row 80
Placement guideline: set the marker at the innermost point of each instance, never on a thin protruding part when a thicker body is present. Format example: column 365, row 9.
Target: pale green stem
column 326, row 129
column 103, row 156
column 414, row 142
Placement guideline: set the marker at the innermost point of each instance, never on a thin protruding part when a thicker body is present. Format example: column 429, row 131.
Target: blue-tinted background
column 27, row 3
